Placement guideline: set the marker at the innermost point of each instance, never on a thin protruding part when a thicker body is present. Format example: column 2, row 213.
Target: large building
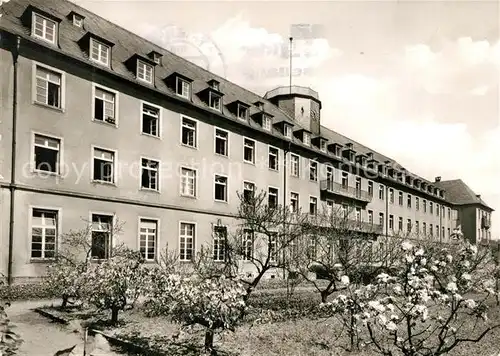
column 98, row 124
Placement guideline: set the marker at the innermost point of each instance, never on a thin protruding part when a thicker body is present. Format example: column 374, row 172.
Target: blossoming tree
column 409, row 313
column 9, row 339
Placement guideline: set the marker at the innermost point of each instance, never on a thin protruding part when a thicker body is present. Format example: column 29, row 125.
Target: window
column 99, row 52
column 417, row 227
column 431, row 206
column 44, row 28
column 105, row 106
column 273, row 246
column 47, row 154
column 77, row 20
column 329, row 207
column 329, row 173
column 370, row 216
column 345, row 180
column 44, row 226
column 272, row 199
column 248, row 243
column 313, row 170
column 104, row 162
column 219, row 243
column 273, row 158
column 220, row 188
column 249, row 150
column 391, row 222
column 221, row 142
column 448, row 232
column 48, row 87
column 294, row 202
column 400, row 223
column 408, row 225
column 391, row 196
column 101, row 236
column 430, row 230
column 183, row 88
column 437, row 209
column 381, row 219
column 150, row 120
column 266, row 122
column 248, row 191
column 424, row 228
column 400, row 198
column 442, row 232
column 295, row 165
column 288, row 131
column 322, row 145
column 437, row 230
column 409, row 201
column 417, row 203
column 214, row 101
column 358, row 214
column 381, row 189
column 358, row 186
column 307, row 139
column 188, row 135
column 242, row 112
column 148, row 230
column 145, row 72
column 449, row 214
column 312, row 248
column 370, row 188
column 345, row 211
column 150, row 174
column 442, row 211
column 188, row 182
column 186, row 243
column 424, row 205
column 313, row 205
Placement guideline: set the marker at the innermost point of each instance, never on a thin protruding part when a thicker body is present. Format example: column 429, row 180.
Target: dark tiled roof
column 127, row 44
column 459, row 193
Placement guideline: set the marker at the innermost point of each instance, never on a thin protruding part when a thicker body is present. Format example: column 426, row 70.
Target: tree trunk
column 114, row 315
column 324, row 295
column 209, row 341
column 64, row 301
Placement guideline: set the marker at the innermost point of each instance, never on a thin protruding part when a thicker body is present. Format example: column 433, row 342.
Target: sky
column 417, row 81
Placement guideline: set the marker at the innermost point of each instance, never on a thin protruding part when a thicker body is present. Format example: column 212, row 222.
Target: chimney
column 437, row 179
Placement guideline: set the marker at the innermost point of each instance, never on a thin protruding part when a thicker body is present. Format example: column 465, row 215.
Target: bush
column 26, row 291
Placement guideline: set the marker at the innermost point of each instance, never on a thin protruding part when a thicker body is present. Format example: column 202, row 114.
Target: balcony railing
column 346, row 191
column 295, row 89
column 342, row 224
column 485, row 223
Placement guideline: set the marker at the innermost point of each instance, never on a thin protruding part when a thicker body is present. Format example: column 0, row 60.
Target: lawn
column 274, row 326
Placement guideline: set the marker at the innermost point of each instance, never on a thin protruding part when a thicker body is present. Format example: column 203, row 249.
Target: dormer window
column 322, row 145
column 183, row 88
column 214, row 101
column 307, row 138
column 155, row 57
column 242, row 112
column 382, row 168
column 288, row 131
column 99, row 52
column 44, row 28
column 78, row 20
column 214, row 84
column 266, row 122
column 145, row 72
column 362, row 160
column 259, row 105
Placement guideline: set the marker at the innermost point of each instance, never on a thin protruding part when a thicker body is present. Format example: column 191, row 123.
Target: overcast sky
column 416, row 81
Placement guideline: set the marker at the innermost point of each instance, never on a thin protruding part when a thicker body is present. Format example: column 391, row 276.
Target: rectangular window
column 437, row 209
column 183, row 88
column 104, row 165
column 48, row 87
column 221, row 142
column 77, row 20
column 220, row 188
column 273, row 158
column 313, row 170
column 381, row 189
column 345, row 180
column 400, row 223
column 329, row 173
column 431, row 207
column 249, row 150
column 381, row 219
column 186, row 243
column 295, row 165
column 417, row 203
column 424, row 228
column 391, row 222
column 358, row 214
column 322, row 145
column 242, row 112
column 400, row 198
column 442, row 232
column 424, row 205
column 449, row 214
column 370, row 216
column 266, row 122
column 358, row 186
column 273, row 247
column 313, row 205
column 294, row 202
column 214, row 101
column 248, row 191
column 148, row 230
column 408, row 225
column 307, row 139
column 272, row 199
column 288, row 131
column 44, row 226
column 44, row 28
column 448, row 235
column 345, row 211
column 105, row 106
column 99, row 52
column 101, row 236
column 188, row 182
column 248, row 244
column 329, row 207
column 145, row 72
column 409, row 201
column 391, row 196
column 188, row 135
column 370, row 188
column 150, row 120
column 219, row 243
column 47, row 154
column 430, row 230
column 417, row 227
column 150, row 174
